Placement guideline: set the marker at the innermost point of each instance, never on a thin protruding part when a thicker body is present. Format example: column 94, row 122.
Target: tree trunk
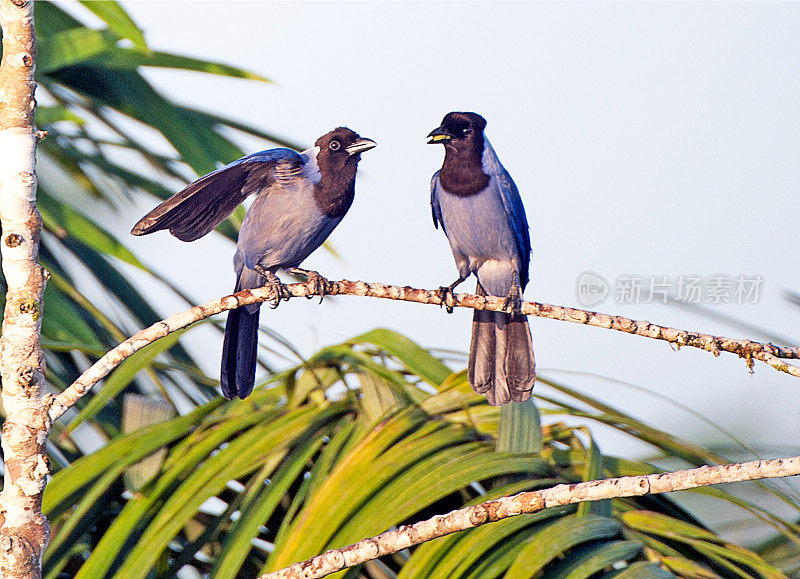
column 23, row 529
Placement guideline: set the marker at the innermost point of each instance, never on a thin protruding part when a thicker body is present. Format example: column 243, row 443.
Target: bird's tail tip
column 501, row 363
column 499, row 393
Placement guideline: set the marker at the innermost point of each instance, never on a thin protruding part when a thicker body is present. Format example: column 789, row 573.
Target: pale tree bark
column 23, row 529
column 746, row 349
column 531, row 502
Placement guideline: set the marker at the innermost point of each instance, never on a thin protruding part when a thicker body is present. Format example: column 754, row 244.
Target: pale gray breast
column 477, row 226
column 283, row 226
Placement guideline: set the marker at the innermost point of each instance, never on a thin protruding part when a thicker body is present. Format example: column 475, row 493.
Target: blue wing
column 204, row 204
column 512, row 203
column 268, row 156
column 436, row 210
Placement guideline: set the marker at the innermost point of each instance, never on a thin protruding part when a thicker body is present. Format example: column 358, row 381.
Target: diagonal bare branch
column 747, row 349
column 531, row 502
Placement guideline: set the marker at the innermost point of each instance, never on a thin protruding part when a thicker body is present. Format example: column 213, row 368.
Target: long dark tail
column 501, row 364
column 239, row 349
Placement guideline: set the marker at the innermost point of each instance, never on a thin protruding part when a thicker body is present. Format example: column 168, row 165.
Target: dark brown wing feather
column 193, row 212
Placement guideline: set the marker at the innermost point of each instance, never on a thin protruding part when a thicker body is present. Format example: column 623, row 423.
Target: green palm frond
column 94, row 102
column 363, row 447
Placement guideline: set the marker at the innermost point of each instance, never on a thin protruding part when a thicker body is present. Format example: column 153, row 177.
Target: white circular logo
column 591, row 289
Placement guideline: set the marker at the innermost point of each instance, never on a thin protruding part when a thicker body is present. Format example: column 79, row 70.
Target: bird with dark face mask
column 479, row 208
column 300, row 199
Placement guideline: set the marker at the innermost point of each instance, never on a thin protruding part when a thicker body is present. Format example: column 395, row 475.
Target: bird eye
column 466, row 132
column 334, row 146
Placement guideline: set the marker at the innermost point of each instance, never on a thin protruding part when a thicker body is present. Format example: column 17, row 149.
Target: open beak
column 439, row 135
column 360, row 146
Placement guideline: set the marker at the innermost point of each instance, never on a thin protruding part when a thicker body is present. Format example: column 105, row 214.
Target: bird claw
column 446, row 295
column 279, row 292
column 320, row 283
column 513, row 302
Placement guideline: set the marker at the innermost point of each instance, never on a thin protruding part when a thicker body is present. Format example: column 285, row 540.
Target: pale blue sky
column 650, row 139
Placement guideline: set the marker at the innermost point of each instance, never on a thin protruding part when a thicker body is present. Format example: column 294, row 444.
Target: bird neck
column 335, row 191
column 462, row 173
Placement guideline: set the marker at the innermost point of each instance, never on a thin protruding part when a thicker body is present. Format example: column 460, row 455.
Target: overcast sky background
column 645, row 139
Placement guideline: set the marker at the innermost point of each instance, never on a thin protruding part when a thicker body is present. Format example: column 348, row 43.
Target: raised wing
column 436, row 209
column 193, row 212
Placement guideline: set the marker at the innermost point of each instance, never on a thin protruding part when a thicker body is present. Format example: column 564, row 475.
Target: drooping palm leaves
column 93, row 103
column 365, row 435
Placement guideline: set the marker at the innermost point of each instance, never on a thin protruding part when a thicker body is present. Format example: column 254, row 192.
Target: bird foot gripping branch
column 513, row 303
column 447, row 296
column 275, row 284
column 319, row 284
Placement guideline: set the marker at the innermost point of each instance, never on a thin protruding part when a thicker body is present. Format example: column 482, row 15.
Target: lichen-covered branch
column 531, row 502
column 746, row 349
column 23, row 529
